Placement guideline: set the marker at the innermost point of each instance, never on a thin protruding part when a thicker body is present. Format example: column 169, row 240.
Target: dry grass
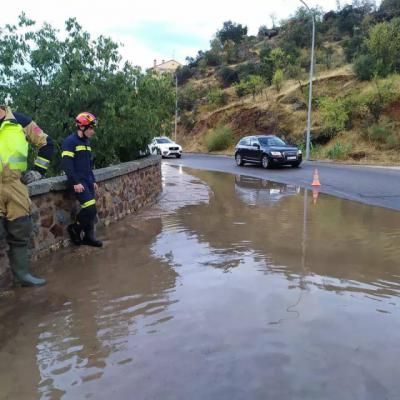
column 250, row 115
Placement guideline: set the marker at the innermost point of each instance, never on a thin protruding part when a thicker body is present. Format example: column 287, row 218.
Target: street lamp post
column 176, row 106
column 310, row 85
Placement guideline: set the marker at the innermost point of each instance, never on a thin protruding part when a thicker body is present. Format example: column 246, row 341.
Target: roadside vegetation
column 220, row 138
column 259, row 84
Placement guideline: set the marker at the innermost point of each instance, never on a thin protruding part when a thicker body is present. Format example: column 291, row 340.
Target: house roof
column 166, row 62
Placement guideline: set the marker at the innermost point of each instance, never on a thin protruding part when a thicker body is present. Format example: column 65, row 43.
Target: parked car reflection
column 254, row 191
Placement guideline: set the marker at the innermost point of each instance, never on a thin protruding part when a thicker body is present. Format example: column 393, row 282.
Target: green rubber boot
column 19, row 231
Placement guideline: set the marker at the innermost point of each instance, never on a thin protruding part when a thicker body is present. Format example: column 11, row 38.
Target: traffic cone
column 315, row 196
column 315, row 181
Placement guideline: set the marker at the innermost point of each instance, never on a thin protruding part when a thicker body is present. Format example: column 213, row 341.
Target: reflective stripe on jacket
column 13, row 146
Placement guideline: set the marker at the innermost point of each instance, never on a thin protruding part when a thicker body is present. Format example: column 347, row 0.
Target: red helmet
column 86, row 119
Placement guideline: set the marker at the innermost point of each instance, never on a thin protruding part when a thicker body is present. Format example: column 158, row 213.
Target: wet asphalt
column 379, row 186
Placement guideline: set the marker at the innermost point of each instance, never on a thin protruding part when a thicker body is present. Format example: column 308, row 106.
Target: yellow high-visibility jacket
column 16, row 132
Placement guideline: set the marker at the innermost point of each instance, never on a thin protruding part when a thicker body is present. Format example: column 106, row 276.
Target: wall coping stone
column 59, row 183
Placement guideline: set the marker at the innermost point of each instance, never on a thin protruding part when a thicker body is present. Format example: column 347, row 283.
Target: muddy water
column 229, row 288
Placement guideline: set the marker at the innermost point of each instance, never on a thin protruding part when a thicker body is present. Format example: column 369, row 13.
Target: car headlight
column 299, row 152
column 276, row 153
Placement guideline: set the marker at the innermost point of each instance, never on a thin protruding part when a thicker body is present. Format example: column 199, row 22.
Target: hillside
column 353, row 119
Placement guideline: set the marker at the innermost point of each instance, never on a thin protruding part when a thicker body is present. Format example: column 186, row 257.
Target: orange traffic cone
column 315, row 181
column 315, row 196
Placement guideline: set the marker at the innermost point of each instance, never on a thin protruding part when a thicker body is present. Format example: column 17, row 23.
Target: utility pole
column 311, row 80
column 176, row 106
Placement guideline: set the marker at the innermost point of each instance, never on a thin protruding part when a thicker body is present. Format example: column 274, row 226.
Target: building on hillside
column 169, row 66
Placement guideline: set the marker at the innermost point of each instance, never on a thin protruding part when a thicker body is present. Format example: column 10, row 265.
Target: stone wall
column 123, row 189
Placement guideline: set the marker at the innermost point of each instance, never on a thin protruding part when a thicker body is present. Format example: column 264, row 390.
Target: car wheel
column 265, row 161
column 296, row 165
column 178, row 155
column 238, row 159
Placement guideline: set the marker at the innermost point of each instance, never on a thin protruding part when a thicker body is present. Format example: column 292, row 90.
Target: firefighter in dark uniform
column 78, row 166
column 17, row 131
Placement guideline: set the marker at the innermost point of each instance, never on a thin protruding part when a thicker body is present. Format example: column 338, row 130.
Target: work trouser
column 87, row 214
column 15, row 222
column 14, row 198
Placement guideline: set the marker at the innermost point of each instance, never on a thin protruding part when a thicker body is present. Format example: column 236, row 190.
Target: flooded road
column 231, row 287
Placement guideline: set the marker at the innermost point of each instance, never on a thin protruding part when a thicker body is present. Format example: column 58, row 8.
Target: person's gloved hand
column 30, row 177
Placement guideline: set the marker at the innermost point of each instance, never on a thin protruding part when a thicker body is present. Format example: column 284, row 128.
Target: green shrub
column 188, row 96
column 247, row 69
column 364, row 67
column 227, row 76
column 217, row 97
column 219, row 138
column 378, row 133
column 253, row 84
column 334, row 115
column 184, row 73
column 352, row 46
column 339, row 151
column 392, row 142
column 212, row 58
column 241, row 89
column 293, row 71
column 378, row 96
column 277, row 79
column 383, row 134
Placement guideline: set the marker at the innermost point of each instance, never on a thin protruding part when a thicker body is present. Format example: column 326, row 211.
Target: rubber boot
column 19, row 259
column 74, row 231
column 89, row 239
column 19, row 231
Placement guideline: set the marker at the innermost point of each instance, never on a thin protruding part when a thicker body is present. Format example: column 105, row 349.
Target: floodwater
column 229, row 288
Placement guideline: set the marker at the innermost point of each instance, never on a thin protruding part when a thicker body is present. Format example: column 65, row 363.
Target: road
column 378, row 186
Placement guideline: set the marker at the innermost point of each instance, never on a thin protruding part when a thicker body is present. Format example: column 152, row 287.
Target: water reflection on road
column 229, row 288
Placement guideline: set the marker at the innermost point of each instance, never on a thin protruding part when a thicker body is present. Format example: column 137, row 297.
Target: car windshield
column 164, row 140
column 271, row 141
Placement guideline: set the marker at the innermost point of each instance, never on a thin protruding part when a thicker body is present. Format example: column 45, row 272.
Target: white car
column 165, row 147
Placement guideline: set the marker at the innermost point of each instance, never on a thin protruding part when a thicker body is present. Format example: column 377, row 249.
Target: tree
column 326, row 55
column 231, row 31
column 54, row 79
column 392, row 7
column 255, row 84
column 227, row 76
column 266, row 65
column 278, row 58
column 230, row 52
column 366, row 6
column 297, row 30
column 184, row 73
column 383, row 44
column 277, row 80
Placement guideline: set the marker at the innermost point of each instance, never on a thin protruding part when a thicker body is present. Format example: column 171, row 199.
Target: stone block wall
column 123, row 189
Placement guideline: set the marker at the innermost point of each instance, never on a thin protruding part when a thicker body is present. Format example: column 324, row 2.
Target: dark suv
column 267, row 150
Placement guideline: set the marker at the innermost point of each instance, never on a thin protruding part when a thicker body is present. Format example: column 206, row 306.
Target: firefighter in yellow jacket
column 17, row 131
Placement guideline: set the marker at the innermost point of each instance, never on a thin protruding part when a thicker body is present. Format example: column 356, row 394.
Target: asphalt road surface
column 378, row 186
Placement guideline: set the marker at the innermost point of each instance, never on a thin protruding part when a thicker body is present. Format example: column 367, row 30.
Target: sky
column 158, row 30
